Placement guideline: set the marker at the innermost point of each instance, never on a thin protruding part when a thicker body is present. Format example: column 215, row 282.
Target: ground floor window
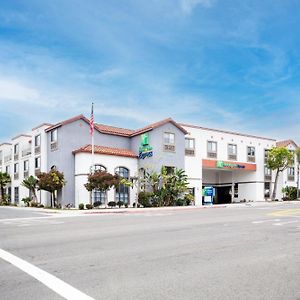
column 99, row 197
column 236, row 190
column 267, row 189
column 122, row 191
column 16, row 196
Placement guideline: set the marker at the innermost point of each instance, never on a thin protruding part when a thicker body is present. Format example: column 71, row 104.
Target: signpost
column 208, row 193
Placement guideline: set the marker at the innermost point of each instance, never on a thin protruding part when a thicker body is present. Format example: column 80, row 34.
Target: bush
column 97, row 203
column 290, row 193
column 40, row 205
column 88, row 206
column 145, row 199
column 188, row 198
column 4, row 203
column 26, row 201
column 33, row 204
column 120, row 203
column 81, row 206
column 111, row 203
column 180, row 202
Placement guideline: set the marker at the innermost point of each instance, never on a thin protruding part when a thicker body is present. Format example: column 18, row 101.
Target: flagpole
column 93, row 150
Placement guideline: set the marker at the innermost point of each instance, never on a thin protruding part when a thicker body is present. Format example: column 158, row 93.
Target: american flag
column 92, row 120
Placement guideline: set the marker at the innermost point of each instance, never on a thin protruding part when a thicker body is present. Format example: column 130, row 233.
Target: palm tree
column 31, row 184
column 298, row 169
column 4, row 180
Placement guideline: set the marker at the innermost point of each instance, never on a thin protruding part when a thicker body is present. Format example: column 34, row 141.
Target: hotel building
column 233, row 163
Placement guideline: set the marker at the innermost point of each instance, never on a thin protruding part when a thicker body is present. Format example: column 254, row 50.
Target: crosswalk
column 26, row 222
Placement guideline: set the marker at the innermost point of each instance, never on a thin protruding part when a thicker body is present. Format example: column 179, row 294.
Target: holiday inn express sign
column 145, row 149
column 221, row 164
column 227, row 165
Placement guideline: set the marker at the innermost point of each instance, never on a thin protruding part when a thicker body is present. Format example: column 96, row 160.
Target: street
column 233, row 252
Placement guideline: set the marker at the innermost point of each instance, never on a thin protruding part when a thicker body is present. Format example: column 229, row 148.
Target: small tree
column 31, row 183
column 4, row 180
column 297, row 152
column 279, row 158
column 51, row 182
column 102, row 181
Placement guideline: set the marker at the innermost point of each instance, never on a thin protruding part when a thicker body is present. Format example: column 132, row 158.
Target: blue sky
column 217, row 63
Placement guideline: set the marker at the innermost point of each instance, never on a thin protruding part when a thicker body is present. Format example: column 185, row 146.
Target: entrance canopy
column 227, row 165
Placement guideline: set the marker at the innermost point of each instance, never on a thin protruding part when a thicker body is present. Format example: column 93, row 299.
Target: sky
column 223, row 64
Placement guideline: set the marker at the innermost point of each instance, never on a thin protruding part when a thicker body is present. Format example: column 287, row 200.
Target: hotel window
column 266, row 154
column 232, row 151
column 211, row 149
column 251, row 154
column 98, row 167
column 99, row 197
column 37, row 163
column 16, row 151
column 291, row 174
column 53, row 139
column 37, row 144
column 16, row 171
column 7, row 170
column 16, row 196
column 169, row 141
column 189, row 146
column 26, row 168
column 122, row 191
column 268, row 174
column 293, row 160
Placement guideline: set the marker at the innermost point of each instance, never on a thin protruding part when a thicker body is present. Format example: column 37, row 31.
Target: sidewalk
column 75, row 212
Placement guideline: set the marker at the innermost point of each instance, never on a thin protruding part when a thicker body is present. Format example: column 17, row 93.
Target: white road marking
column 264, row 221
column 55, row 284
column 283, row 223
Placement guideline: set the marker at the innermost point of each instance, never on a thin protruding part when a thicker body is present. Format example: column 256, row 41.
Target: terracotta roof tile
column 106, row 151
column 76, row 118
column 285, row 143
column 113, row 130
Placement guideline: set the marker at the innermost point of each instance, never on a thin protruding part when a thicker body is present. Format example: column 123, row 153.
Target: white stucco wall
column 83, row 162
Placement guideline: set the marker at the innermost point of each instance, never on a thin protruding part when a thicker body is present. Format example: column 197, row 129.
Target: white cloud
column 188, row 6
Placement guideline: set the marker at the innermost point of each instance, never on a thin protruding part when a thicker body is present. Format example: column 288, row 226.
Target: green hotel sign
column 145, row 150
column 221, row 164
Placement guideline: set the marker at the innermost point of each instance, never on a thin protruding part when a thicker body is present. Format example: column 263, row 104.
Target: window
column 53, row 140
column 291, row 173
column 268, row 171
column 7, row 169
column 211, row 149
column 16, row 196
column 16, row 149
column 189, row 146
column 98, row 168
column 122, row 191
column 232, row 151
column 16, row 168
column 266, row 154
column 26, row 168
column 37, row 163
column 37, row 141
column 267, row 189
column 169, row 141
column 99, row 196
column 293, row 159
column 251, row 154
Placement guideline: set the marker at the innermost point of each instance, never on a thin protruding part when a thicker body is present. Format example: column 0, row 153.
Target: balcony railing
column 16, row 156
column 37, row 171
column 291, row 177
column 212, row 154
column 0, row 161
column 232, row 157
column 26, row 174
column 26, row 152
column 268, row 177
column 16, row 176
column 170, row 148
column 251, row 158
column 53, row 146
column 190, row 152
column 7, row 158
column 37, row 150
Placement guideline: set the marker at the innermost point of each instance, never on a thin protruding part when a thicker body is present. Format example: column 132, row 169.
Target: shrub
column 40, row 205
column 290, row 193
column 120, row 203
column 188, row 198
column 88, row 206
column 26, row 201
column 97, row 203
column 81, row 206
column 4, row 203
column 145, row 199
column 33, row 204
column 111, row 203
column 180, row 202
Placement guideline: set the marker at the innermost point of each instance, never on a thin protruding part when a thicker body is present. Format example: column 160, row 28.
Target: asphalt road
column 217, row 253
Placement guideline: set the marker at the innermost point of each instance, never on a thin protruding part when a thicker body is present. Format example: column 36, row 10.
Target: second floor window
column 169, row 141
column 268, row 172
column 251, row 154
column 232, row 151
column 266, row 154
column 16, row 168
column 189, row 146
column 211, row 149
column 26, row 165
column 37, row 163
column 291, row 173
column 53, row 136
column 7, row 169
column 37, row 140
column 16, row 149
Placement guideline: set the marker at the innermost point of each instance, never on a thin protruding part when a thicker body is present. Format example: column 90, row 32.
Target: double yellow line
column 286, row 213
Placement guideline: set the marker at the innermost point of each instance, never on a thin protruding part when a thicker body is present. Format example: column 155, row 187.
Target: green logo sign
column 222, row 164
column 145, row 149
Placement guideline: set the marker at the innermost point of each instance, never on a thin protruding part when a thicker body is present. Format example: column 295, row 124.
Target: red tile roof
column 113, row 130
column 41, row 125
column 76, row 118
column 158, row 124
column 285, row 143
column 106, row 151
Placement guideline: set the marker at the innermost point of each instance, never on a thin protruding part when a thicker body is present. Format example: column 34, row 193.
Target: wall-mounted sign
column 145, row 149
column 221, row 164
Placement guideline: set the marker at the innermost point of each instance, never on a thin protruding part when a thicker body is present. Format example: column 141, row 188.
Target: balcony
column 251, row 158
column 16, row 156
column 212, row 154
column 37, row 171
column 291, row 177
column 16, row 176
column 268, row 177
column 26, row 152
column 232, row 157
column 53, row 146
column 170, row 148
column 26, row 174
column 190, row 152
column 1, row 162
column 7, row 158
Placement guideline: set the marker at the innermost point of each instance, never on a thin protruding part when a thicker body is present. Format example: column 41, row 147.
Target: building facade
column 232, row 163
